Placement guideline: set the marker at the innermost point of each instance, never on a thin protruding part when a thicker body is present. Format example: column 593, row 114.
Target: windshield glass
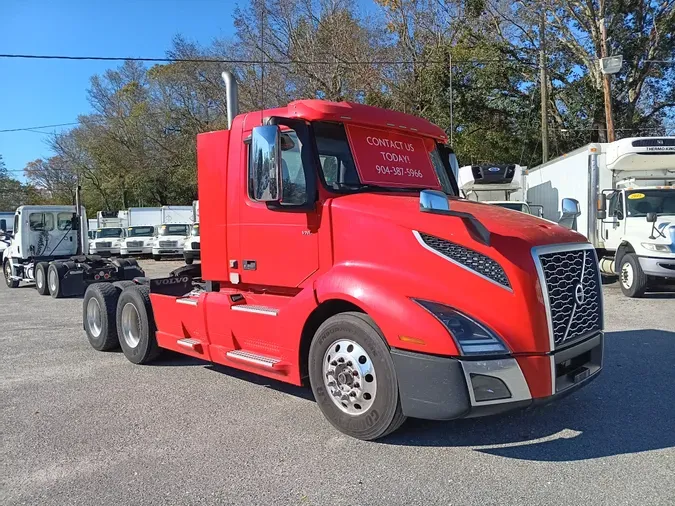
column 140, row 231
column 388, row 161
column 515, row 206
column 102, row 233
column 195, row 230
column 173, row 230
column 641, row 202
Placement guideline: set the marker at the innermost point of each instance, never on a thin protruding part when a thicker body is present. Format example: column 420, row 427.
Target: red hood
column 505, row 225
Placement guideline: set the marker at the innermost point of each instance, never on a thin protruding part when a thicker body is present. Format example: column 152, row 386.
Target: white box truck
column 626, row 200
column 109, row 234
column 497, row 184
column 143, row 226
column 192, row 247
column 174, row 230
column 6, row 228
column 46, row 249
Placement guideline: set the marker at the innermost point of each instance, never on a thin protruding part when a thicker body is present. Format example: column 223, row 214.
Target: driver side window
column 616, row 205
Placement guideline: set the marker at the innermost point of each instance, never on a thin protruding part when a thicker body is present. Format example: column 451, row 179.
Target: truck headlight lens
column 663, row 248
column 471, row 337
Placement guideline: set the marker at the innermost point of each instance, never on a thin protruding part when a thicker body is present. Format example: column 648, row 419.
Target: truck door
column 612, row 228
column 280, row 247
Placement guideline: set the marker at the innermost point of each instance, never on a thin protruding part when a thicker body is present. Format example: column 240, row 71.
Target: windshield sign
column 391, row 159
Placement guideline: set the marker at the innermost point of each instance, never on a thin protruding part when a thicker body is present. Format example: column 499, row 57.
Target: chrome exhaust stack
column 232, row 97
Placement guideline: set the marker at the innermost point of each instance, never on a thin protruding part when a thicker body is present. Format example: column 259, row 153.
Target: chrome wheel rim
column 94, row 319
column 40, row 278
column 349, row 377
column 627, row 275
column 131, row 325
column 52, row 276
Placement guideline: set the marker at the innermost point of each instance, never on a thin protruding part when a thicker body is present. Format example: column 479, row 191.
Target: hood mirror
column 434, row 199
column 651, row 217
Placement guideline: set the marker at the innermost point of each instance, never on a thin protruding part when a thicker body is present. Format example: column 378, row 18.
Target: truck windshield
column 195, row 230
column 173, row 230
column 641, row 202
column 102, row 233
column 386, row 162
column 140, row 231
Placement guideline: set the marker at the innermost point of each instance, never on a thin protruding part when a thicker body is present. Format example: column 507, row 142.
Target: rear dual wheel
column 353, row 377
column 55, row 273
column 41, row 284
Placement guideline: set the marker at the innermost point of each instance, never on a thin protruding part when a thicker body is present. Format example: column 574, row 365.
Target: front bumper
column 105, row 251
column 445, row 388
column 134, row 250
column 661, row 267
column 167, row 251
column 191, row 253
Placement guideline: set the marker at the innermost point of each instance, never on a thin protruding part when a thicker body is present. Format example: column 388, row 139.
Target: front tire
column 189, row 260
column 632, row 277
column 55, row 274
column 156, row 258
column 41, row 284
column 136, row 325
column 7, row 271
column 353, row 377
column 100, row 315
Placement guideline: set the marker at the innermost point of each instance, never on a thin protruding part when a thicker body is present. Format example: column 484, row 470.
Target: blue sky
column 44, row 92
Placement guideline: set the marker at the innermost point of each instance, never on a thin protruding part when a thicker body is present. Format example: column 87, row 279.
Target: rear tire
column 136, row 325
column 99, row 314
column 54, row 276
column 7, row 271
column 41, row 284
column 189, row 260
column 156, row 258
column 351, row 369
column 632, row 277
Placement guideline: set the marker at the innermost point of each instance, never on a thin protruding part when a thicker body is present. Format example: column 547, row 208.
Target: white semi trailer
column 46, row 249
column 627, row 205
column 174, row 230
column 143, row 226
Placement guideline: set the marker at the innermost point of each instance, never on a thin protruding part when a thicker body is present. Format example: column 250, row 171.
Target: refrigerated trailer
column 496, row 184
column 337, row 254
column 627, row 205
column 46, row 249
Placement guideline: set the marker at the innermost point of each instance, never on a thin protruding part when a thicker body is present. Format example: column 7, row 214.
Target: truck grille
column 574, row 293
column 104, row 245
column 134, row 244
column 467, row 258
column 195, row 245
column 168, row 244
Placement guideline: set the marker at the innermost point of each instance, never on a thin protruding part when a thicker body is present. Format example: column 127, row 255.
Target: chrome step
column 190, row 344
column 249, row 308
column 189, row 301
column 253, row 358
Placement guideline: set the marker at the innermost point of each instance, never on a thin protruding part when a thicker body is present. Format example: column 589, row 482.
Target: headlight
column 471, row 337
column 663, row 248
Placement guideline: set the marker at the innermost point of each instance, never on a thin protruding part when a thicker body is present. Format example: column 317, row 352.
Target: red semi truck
column 336, row 252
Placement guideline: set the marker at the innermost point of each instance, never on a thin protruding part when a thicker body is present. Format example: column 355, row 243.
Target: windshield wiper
column 375, row 187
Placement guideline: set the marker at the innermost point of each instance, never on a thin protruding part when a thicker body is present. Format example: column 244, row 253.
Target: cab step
column 250, row 308
column 191, row 344
column 253, row 358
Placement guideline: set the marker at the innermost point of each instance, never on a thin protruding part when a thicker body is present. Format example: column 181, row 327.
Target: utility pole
column 452, row 126
column 607, row 87
column 543, row 85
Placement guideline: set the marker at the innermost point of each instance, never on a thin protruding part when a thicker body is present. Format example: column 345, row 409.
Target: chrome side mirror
column 434, row 199
column 570, row 212
column 264, row 177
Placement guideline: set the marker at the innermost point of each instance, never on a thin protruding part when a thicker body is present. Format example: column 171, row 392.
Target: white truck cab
column 626, row 195
column 170, row 240
column 138, row 240
column 107, row 241
column 192, row 248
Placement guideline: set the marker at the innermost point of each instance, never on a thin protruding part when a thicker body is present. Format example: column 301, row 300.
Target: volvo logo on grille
column 579, row 295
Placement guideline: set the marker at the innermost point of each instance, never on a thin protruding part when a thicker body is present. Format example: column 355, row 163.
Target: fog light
column 488, row 388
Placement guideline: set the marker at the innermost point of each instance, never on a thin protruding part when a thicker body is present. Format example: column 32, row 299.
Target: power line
column 254, row 62
column 38, row 127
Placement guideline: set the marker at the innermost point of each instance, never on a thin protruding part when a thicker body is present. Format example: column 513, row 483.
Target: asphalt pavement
column 80, row 427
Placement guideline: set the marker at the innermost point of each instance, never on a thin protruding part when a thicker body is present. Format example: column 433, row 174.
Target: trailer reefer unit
column 627, row 203
column 336, row 252
column 46, row 249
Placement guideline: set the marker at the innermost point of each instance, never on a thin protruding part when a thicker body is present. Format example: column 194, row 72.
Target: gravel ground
column 88, row 428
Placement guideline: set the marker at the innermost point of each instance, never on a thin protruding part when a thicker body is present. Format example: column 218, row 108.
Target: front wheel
column 353, row 377
column 7, row 271
column 189, row 260
column 632, row 277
